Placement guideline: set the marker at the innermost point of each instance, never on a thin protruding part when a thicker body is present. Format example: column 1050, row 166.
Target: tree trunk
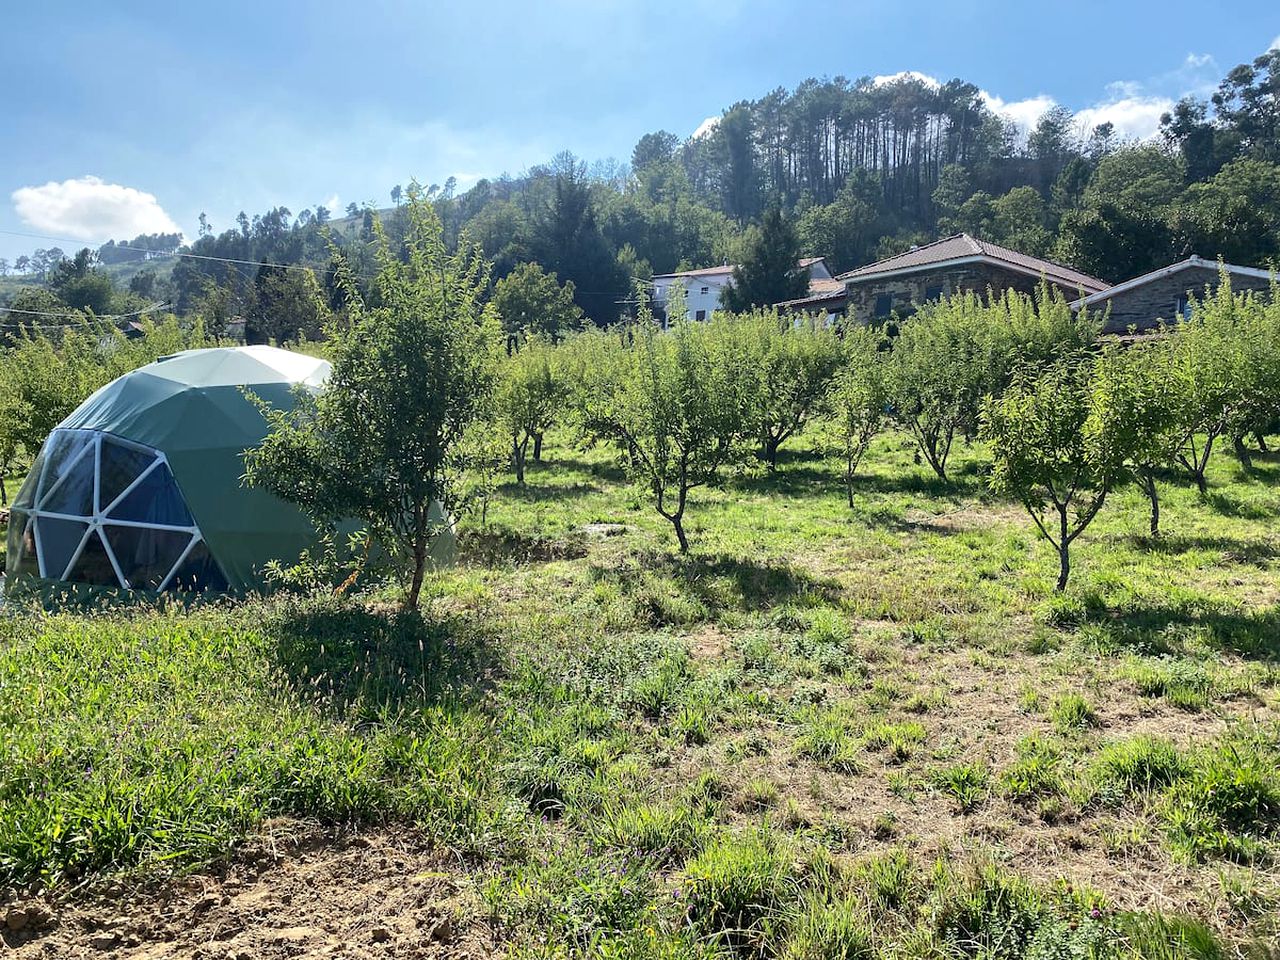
column 677, row 521
column 517, row 459
column 1197, row 474
column 1242, row 452
column 1262, row 442
column 4, row 490
column 771, row 452
column 1153, row 495
column 1064, row 546
column 537, row 447
column 848, row 485
column 419, row 569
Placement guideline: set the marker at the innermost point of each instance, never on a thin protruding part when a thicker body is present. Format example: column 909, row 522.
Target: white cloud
column 886, row 78
column 1275, row 44
column 1197, row 60
column 331, row 202
column 705, row 127
column 1024, row 113
column 86, row 208
column 1134, row 118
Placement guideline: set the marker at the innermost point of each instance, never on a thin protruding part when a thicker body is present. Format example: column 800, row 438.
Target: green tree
column 1052, row 452
column 955, row 351
column 671, row 402
column 791, row 364
column 82, row 285
column 530, row 395
column 1218, row 355
column 857, row 401
column 288, row 305
column 769, row 272
column 532, row 302
column 652, row 149
column 413, row 376
column 1137, row 391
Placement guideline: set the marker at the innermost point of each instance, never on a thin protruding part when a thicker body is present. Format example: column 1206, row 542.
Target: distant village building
column 704, row 287
column 898, row 285
column 1165, row 294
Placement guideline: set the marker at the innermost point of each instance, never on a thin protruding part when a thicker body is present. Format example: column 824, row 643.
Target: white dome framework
column 108, row 512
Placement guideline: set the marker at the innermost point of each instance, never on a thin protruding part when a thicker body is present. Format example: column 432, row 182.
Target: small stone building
column 898, row 285
column 1164, row 295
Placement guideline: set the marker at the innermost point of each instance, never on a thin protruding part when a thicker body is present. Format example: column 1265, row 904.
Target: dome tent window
column 108, row 512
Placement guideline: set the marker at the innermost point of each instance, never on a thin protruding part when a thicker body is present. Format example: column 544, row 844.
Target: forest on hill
column 860, row 169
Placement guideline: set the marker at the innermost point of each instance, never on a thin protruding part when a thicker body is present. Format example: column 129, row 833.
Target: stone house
column 898, row 285
column 1163, row 295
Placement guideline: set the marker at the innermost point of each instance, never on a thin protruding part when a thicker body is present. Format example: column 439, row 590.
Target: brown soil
column 297, row 893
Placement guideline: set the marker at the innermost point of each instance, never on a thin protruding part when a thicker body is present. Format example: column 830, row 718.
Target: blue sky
column 119, row 118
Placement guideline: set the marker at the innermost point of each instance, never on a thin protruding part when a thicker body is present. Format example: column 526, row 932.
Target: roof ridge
column 900, row 253
column 1030, row 256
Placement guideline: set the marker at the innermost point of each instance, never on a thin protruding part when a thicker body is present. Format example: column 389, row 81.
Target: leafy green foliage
column 530, row 395
column 791, row 365
column 956, row 351
column 413, row 374
column 673, row 404
column 532, row 302
column 1051, row 449
column 857, row 401
column 770, row 270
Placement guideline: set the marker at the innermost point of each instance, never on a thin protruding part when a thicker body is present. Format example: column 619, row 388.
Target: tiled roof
column 964, row 247
column 704, row 272
column 819, row 291
column 805, row 262
column 1193, row 261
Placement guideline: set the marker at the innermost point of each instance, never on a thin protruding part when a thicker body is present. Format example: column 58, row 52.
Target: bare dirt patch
column 296, row 893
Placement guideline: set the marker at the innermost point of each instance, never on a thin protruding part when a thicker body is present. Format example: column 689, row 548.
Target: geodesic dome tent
column 139, row 488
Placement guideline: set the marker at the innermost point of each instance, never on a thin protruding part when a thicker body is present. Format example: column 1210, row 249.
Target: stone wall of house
column 1144, row 307
column 905, row 293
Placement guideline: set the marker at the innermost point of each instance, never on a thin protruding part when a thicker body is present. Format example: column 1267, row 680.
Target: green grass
column 825, row 733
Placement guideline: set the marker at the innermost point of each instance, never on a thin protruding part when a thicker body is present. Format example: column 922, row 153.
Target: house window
column 933, row 293
column 884, row 305
column 705, row 291
column 700, row 315
column 1181, row 309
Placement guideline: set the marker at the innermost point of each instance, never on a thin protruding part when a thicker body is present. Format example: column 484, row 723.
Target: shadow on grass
column 1149, row 628
column 538, row 493
column 1233, row 549
column 792, row 481
column 495, row 547
column 671, row 589
column 966, row 479
column 1230, row 506
column 360, row 662
column 606, row 470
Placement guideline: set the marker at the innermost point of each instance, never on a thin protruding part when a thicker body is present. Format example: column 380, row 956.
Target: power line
column 161, row 253
column 76, row 319
column 247, row 263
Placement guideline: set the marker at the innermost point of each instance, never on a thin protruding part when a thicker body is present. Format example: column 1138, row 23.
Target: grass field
column 825, row 733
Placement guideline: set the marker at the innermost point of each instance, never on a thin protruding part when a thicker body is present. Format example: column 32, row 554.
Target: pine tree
column 770, row 272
